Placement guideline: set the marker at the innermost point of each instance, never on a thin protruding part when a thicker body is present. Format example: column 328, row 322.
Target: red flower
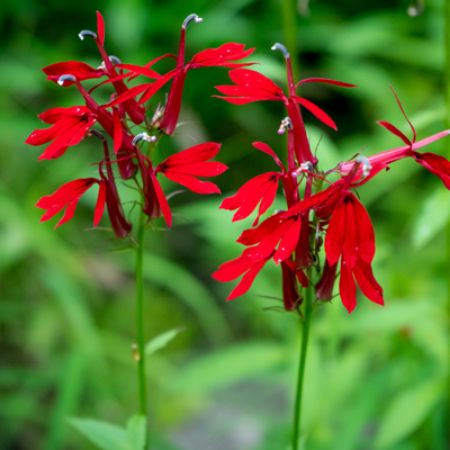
column 251, row 86
column 69, row 127
column 223, row 56
column 275, row 238
column 68, row 196
column 260, row 190
column 185, row 167
column 350, row 238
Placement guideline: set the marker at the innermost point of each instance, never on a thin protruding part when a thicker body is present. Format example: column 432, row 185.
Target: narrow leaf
column 160, row 341
column 104, row 435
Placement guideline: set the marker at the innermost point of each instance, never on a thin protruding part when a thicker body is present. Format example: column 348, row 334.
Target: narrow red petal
column 193, row 183
column 197, row 153
column 319, row 113
column 118, row 131
column 163, row 204
column 334, row 239
column 365, row 232
column 288, row 241
column 395, row 131
column 367, row 282
column 100, row 28
column 100, row 205
column 347, row 288
column 262, row 147
column 325, row 80
column 247, row 280
column 436, row 164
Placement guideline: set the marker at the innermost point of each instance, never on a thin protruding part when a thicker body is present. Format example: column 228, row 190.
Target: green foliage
column 375, row 379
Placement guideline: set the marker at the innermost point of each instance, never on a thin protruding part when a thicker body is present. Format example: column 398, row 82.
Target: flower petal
column 347, row 288
column 367, row 282
column 319, row 113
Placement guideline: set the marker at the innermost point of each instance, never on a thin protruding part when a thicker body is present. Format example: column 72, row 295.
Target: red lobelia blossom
column 68, row 196
column 293, row 238
column 350, row 239
column 69, row 127
column 122, row 156
column 224, row 56
column 260, row 190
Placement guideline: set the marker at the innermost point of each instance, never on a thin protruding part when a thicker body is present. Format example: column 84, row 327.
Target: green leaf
column 160, row 341
column 406, row 413
column 104, row 435
column 230, row 365
column 136, row 427
column 434, row 215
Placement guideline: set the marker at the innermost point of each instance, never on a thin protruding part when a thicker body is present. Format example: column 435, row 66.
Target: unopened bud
column 282, row 49
column 87, row 33
column 143, row 137
column 286, row 124
column 135, row 353
column 66, row 77
column 191, row 18
column 365, row 164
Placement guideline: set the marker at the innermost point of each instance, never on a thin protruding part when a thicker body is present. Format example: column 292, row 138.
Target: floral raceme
column 321, row 206
column 122, row 155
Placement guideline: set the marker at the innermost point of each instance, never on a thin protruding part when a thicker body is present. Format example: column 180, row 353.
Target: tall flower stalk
column 325, row 234
column 121, row 159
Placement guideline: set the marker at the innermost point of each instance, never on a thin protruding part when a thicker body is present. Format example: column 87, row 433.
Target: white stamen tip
column 281, row 48
column 87, row 33
column 66, row 77
column 143, row 137
column 191, row 18
column 286, row 124
column 114, row 59
column 365, row 163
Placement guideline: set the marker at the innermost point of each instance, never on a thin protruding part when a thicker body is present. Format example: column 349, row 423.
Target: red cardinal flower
column 260, row 190
column 185, row 167
column 69, row 127
column 68, row 196
column 275, row 238
column 350, row 239
column 223, row 56
column 251, row 86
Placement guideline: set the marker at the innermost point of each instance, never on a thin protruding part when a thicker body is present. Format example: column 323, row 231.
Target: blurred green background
column 375, row 380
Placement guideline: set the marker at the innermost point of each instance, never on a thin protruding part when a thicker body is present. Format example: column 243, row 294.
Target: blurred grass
column 375, row 380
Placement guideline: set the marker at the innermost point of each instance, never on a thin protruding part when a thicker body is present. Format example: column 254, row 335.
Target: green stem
column 309, row 294
column 290, row 14
column 140, row 316
column 447, row 96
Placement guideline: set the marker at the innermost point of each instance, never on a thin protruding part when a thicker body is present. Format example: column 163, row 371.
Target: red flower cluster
column 125, row 108
column 293, row 238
